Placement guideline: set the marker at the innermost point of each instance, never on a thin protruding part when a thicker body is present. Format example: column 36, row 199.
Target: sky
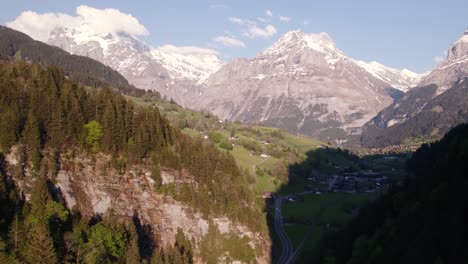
column 401, row 34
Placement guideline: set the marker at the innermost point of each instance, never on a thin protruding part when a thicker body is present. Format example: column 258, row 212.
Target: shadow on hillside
column 317, row 175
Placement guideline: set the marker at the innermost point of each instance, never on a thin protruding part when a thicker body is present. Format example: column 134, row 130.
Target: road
column 286, row 246
column 287, row 254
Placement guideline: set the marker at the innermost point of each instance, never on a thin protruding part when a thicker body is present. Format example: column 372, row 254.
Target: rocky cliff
column 92, row 186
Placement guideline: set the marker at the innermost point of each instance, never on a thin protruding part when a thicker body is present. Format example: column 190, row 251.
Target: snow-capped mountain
column 455, row 67
column 435, row 98
column 402, row 80
column 173, row 71
column 303, row 83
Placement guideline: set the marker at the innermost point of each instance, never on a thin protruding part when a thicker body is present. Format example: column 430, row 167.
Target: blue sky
column 402, row 34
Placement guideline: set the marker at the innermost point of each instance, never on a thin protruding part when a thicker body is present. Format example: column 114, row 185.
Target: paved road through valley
column 285, row 242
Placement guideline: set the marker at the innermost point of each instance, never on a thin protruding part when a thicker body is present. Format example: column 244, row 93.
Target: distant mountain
column 454, row 68
column 175, row 72
column 79, row 68
column 429, row 110
column 302, row 83
column 402, row 80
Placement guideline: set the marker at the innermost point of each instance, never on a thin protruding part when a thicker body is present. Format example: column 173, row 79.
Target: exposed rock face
column 454, row 68
column 175, row 72
column 302, row 83
column 423, row 121
column 415, row 113
column 94, row 188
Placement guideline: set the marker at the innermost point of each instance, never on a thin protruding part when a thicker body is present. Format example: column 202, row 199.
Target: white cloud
column 254, row 31
column 261, row 19
column 240, row 21
column 229, row 41
column 102, row 21
column 187, row 50
column 218, row 6
column 438, row 59
column 269, row 13
column 284, row 18
column 306, row 22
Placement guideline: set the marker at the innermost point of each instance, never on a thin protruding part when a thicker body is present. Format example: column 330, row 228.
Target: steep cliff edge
column 93, row 187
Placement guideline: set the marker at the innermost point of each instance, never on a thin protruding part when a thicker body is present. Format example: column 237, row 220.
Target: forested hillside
column 422, row 221
column 79, row 68
column 45, row 115
column 420, row 116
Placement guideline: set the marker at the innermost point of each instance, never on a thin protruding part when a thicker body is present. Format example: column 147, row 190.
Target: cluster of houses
column 350, row 182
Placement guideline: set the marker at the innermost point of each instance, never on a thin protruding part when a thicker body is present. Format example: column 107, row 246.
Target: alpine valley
column 116, row 151
column 302, row 83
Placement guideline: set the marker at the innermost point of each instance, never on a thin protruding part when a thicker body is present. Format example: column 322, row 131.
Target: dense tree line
column 44, row 114
column 420, row 221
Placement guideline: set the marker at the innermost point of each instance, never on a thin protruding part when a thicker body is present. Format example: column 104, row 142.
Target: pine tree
column 32, row 138
column 40, row 196
column 40, row 247
column 157, row 257
column 132, row 255
column 16, row 234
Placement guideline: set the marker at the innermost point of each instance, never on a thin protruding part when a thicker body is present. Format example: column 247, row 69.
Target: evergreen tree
column 132, row 255
column 157, row 257
column 40, row 247
column 40, row 196
column 32, row 138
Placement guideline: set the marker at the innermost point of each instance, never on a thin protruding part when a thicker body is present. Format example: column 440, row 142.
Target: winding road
column 286, row 246
column 287, row 253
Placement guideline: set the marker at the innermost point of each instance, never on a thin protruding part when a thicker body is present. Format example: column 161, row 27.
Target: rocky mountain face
column 87, row 184
column 419, row 123
column 431, row 99
column 302, row 83
column 454, row 68
column 175, row 72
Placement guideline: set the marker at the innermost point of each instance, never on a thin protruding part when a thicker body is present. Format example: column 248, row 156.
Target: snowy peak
column 453, row 69
column 459, row 49
column 132, row 56
column 299, row 40
column 402, row 80
column 191, row 63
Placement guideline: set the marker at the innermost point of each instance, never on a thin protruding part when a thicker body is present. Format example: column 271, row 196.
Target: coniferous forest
column 44, row 112
column 421, row 221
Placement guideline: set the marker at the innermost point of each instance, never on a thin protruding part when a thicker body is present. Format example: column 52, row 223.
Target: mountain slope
column 173, row 71
column 79, row 68
column 434, row 119
column 402, row 80
column 427, row 111
column 419, row 221
column 109, row 158
column 302, row 83
column 454, row 68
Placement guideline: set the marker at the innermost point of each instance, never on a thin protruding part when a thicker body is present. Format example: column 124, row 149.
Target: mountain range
column 428, row 111
column 302, row 83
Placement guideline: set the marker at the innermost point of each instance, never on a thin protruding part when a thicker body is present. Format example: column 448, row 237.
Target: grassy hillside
column 264, row 152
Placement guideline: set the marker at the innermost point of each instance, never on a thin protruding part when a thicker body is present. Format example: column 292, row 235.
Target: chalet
column 268, row 195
